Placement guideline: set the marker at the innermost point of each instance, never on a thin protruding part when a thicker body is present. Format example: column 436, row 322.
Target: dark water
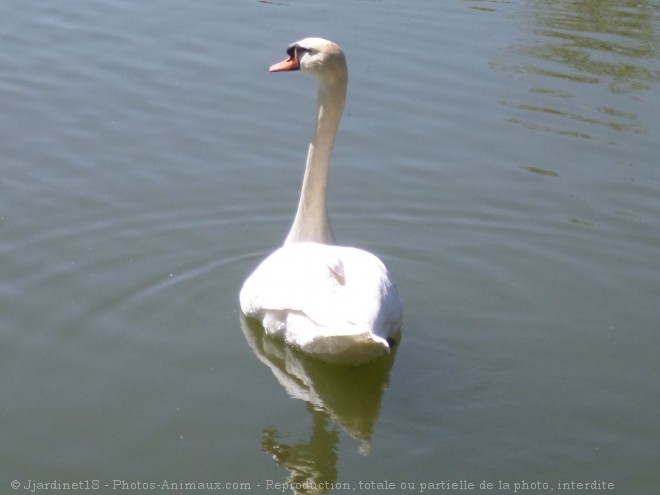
column 501, row 157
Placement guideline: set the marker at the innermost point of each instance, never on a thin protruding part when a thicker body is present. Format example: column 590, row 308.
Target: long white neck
column 312, row 223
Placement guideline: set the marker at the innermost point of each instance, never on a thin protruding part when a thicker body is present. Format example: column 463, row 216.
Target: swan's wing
column 301, row 277
column 328, row 284
column 324, row 299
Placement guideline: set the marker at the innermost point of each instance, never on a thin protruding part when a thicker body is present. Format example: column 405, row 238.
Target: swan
column 336, row 303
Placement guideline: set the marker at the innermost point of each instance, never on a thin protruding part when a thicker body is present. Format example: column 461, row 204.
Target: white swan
column 336, row 303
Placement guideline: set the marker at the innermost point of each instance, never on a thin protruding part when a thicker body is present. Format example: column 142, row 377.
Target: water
column 501, row 157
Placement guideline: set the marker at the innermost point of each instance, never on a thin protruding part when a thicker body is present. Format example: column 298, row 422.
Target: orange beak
column 290, row 63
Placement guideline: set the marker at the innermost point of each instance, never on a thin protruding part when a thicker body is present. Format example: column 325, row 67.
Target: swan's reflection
column 313, row 464
column 349, row 396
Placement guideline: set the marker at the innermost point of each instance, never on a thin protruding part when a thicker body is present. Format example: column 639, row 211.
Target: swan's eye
column 296, row 51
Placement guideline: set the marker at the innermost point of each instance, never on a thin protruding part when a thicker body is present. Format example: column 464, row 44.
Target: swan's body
column 337, row 303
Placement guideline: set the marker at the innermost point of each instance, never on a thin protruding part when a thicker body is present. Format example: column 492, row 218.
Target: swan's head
column 321, row 58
